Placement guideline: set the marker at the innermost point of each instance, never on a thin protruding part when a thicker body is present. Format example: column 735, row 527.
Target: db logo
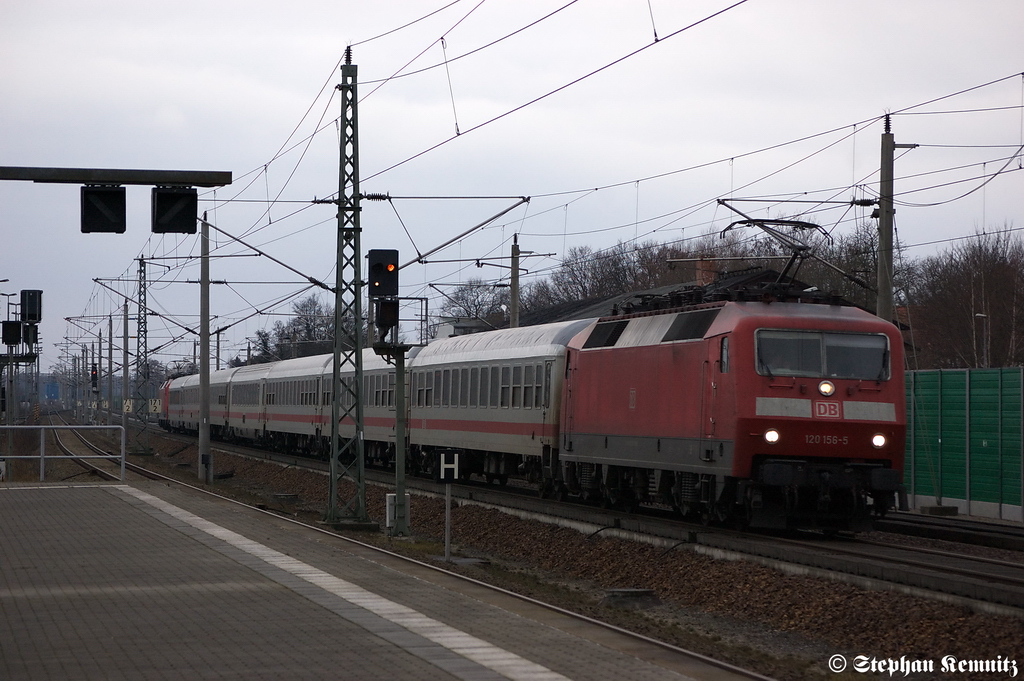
column 827, row 410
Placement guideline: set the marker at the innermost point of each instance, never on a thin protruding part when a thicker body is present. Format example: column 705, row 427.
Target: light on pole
column 984, row 339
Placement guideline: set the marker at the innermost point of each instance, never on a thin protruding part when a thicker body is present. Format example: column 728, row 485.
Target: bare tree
column 476, row 299
column 309, row 332
column 968, row 304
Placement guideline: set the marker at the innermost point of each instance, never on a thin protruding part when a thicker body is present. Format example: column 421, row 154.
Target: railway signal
column 175, row 210
column 383, row 272
column 31, row 306
column 103, row 209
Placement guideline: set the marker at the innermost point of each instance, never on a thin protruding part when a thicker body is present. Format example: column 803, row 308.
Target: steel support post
column 142, row 373
column 347, row 457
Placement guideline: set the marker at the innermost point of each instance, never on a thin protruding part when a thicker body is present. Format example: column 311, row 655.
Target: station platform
column 149, row 581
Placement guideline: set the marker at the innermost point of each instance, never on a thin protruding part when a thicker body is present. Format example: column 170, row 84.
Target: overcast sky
column 768, row 98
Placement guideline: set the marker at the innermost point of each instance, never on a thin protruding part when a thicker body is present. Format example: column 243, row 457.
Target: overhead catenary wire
column 637, row 236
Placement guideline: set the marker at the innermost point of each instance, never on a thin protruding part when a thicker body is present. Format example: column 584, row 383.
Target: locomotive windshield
column 817, row 354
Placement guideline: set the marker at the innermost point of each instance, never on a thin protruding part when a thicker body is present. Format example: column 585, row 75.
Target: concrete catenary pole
column 513, row 315
column 886, row 213
column 205, row 455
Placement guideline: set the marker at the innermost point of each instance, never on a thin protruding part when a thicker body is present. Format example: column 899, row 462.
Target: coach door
column 568, row 415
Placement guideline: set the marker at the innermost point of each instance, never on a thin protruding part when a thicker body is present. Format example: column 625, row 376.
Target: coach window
column 494, row 387
column 517, row 387
column 506, row 386
column 446, row 387
column 464, row 388
column 437, row 388
column 485, row 387
column 391, row 389
column 723, row 365
column 456, row 384
column 528, row 386
column 474, row 386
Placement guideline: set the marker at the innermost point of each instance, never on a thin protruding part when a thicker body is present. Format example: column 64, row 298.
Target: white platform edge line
column 483, row 653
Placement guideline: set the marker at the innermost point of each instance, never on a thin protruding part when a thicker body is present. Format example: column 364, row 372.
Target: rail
column 42, row 446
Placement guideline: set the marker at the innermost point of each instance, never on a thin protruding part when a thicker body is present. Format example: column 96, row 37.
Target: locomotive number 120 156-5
column 826, row 439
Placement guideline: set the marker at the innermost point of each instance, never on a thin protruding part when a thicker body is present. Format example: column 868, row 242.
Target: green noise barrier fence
column 964, row 440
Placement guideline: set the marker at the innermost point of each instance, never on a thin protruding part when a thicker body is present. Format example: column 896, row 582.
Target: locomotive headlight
column 878, row 441
column 771, row 436
column 827, row 388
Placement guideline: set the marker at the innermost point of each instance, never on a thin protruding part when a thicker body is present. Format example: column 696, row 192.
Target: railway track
column 84, row 454
column 954, row 529
column 954, row 574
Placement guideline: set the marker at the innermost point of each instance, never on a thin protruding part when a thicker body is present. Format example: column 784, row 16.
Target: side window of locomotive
column 723, row 363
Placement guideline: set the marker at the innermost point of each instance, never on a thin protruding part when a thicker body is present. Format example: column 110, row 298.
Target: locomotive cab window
column 816, row 354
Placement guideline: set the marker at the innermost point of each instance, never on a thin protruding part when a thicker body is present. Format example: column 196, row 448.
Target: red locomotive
column 777, row 414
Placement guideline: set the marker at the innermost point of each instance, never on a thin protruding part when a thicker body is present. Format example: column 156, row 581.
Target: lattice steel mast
column 141, row 403
column 347, row 399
